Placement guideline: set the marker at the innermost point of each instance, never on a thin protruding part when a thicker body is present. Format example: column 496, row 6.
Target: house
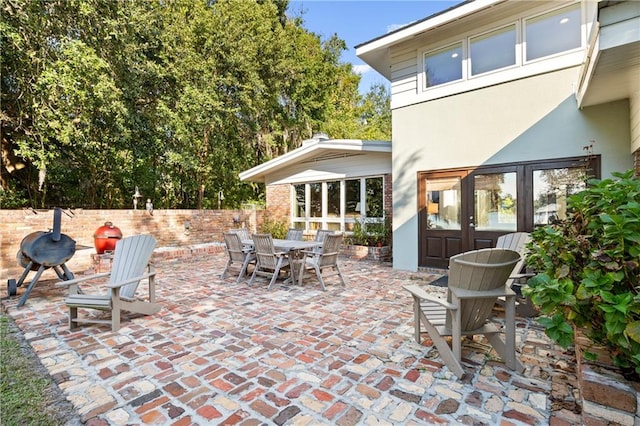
column 500, row 108
column 327, row 183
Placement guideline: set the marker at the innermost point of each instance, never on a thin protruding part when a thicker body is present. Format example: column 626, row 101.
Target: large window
column 553, row 33
column 444, row 65
column 337, row 205
column 551, row 189
column 493, row 50
column 508, row 47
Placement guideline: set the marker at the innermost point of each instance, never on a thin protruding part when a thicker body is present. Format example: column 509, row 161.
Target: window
column 443, row 66
column 553, row 33
column 337, row 205
column 493, row 50
column 511, row 46
column 551, row 188
column 443, row 203
column 375, row 206
column 495, row 202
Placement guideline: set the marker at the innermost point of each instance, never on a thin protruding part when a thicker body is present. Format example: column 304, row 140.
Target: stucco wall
column 170, row 227
column 530, row 119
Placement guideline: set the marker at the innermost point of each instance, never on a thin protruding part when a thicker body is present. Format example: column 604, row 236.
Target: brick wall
column 388, row 196
column 279, row 201
column 636, row 162
column 184, row 228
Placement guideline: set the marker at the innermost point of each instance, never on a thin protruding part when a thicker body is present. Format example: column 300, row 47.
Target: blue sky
column 358, row 21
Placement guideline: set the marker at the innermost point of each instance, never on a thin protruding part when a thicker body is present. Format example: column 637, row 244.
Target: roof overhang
column 314, row 150
column 376, row 52
column 611, row 70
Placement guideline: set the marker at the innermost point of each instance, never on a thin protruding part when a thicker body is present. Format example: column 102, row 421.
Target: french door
column 468, row 209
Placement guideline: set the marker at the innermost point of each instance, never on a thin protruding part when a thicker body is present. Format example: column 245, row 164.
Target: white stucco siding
column 523, row 120
column 634, row 112
column 371, row 164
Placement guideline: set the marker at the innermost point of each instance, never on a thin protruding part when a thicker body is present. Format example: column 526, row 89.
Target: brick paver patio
column 226, row 353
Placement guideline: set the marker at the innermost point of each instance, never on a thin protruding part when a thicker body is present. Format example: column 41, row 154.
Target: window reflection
column 551, row 188
column 553, row 33
column 443, row 66
column 496, row 202
column 443, row 203
column 315, row 192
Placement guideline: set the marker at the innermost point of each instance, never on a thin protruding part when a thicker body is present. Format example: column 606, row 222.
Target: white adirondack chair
column 476, row 279
column 130, row 265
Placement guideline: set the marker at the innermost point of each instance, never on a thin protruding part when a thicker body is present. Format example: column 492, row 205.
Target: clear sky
column 358, row 21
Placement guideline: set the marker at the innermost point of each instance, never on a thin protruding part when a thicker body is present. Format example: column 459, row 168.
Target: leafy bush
column 589, row 269
column 277, row 228
column 371, row 233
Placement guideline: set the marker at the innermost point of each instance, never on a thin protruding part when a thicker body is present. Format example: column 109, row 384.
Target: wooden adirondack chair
column 269, row 261
column 476, row 279
column 130, row 261
column 237, row 254
column 326, row 257
column 517, row 241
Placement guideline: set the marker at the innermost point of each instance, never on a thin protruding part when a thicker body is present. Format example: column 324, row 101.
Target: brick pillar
column 279, row 202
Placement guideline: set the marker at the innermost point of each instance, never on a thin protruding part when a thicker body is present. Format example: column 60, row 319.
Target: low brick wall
column 376, row 254
column 191, row 230
column 607, row 396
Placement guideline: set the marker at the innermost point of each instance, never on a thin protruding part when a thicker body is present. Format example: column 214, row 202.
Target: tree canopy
column 175, row 97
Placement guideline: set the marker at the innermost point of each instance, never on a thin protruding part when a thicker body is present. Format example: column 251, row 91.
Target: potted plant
column 588, row 270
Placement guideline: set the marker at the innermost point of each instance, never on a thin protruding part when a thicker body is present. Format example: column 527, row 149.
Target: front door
column 468, row 209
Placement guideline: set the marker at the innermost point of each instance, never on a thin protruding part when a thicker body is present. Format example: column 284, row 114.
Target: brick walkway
column 226, row 353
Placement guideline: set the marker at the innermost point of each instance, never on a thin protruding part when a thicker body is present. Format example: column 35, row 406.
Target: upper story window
column 511, row 47
column 493, row 50
column 443, row 65
column 552, row 33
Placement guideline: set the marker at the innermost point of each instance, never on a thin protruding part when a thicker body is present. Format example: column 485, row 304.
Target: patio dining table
column 293, row 249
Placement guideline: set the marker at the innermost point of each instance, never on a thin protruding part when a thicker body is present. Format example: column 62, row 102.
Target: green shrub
column 371, row 233
column 589, row 269
column 277, row 228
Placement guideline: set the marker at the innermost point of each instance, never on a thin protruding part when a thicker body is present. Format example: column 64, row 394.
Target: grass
column 28, row 395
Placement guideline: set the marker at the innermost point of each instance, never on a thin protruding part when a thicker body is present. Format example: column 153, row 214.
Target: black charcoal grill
column 40, row 251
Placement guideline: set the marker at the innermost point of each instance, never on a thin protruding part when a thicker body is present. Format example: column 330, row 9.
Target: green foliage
column 101, row 96
column 26, row 391
column 368, row 233
column 589, row 269
column 277, row 228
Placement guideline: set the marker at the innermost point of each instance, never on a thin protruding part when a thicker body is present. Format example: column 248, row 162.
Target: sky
column 359, row 21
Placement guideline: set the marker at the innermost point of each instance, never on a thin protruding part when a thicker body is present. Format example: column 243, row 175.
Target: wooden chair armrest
column 131, row 280
column 460, row 293
column 419, row 292
column 82, row 279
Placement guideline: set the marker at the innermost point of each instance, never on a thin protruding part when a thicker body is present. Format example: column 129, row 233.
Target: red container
column 106, row 237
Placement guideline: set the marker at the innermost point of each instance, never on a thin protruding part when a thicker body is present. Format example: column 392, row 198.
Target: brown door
column 461, row 210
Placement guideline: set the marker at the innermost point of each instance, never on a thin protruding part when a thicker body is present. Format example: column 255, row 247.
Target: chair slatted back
column 330, row 249
column 294, row 234
column 234, row 246
column 479, row 270
column 130, row 259
column 321, row 235
column 516, row 241
column 243, row 233
column 265, row 251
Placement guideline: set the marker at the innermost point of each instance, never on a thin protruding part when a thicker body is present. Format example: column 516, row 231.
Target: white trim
column 312, row 148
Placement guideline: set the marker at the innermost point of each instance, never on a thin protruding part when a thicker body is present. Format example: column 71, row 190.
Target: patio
column 226, row 353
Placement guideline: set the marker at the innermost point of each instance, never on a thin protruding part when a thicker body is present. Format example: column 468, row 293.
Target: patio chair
column 294, row 234
column 130, row 260
column 326, row 257
column 517, row 241
column 476, row 279
column 238, row 254
column 243, row 233
column 269, row 261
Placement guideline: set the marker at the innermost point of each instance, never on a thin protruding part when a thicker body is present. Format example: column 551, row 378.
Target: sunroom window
column 553, row 32
column 493, row 50
column 443, row 65
column 337, row 205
